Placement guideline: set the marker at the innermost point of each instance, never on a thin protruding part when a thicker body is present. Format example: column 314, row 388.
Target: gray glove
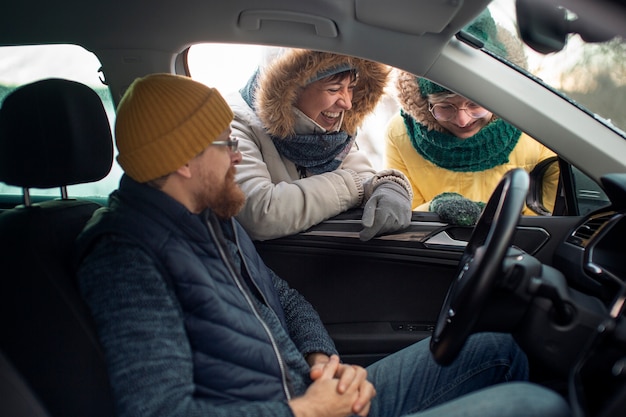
column 387, row 210
column 453, row 208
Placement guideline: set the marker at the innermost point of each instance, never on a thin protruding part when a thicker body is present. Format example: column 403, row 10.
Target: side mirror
column 543, row 190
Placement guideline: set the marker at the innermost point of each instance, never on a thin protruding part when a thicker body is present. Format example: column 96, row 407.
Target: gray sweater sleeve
column 304, row 324
column 141, row 329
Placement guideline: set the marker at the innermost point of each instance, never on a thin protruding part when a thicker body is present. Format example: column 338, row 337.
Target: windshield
column 591, row 74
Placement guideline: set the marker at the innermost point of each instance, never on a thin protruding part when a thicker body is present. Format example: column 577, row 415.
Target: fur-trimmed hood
column 281, row 80
column 408, row 91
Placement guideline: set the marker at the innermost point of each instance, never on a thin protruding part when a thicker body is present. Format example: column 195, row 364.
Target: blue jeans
column 410, row 383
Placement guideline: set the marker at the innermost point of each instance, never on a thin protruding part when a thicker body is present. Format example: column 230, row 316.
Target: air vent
column 585, row 231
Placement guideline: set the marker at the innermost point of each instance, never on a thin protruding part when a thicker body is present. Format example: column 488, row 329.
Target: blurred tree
column 597, row 80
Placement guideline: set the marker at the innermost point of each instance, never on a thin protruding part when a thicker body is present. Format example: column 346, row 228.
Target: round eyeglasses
column 232, row 144
column 446, row 111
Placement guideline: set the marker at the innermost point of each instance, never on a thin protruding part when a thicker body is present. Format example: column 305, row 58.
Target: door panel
column 373, row 299
column 378, row 296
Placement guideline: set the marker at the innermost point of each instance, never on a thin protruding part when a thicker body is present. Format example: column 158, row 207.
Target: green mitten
column 453, row 208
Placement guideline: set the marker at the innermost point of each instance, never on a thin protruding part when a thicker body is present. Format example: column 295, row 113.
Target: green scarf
column 488, row 148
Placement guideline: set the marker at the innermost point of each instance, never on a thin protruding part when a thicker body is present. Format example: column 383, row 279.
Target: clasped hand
column 338, row 390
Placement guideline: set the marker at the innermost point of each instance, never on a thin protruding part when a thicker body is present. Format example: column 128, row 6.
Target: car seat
column 18, row 400
column 53, row 133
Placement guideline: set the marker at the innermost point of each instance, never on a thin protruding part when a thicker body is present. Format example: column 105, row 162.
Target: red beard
column 228, row 201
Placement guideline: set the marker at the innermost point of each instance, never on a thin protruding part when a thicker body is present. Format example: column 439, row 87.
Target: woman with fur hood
column 296, row 121
column 454, row 151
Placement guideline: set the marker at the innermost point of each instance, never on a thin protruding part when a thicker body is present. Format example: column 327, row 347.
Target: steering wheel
column 480, row 265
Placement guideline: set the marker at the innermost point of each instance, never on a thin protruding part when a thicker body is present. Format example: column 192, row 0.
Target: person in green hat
column 455, row 151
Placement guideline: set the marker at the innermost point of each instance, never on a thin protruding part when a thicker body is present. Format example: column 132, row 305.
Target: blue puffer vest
column 235, row 355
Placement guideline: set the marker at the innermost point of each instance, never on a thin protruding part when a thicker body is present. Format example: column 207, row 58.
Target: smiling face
column 325, row 100
column 462, row 125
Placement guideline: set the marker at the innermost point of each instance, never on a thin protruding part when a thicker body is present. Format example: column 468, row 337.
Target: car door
column 378, row 296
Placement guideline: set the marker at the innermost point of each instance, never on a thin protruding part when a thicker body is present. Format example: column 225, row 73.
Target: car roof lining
column 331, row 25
column 441, row 14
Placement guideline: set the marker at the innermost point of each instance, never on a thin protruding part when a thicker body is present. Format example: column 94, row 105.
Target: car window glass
column 243, row 60
column 589, row 195
column 20, row 65
column 591, row 74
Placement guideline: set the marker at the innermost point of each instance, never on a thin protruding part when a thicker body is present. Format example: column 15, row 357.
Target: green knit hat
column 428, row 87
column 484, row 28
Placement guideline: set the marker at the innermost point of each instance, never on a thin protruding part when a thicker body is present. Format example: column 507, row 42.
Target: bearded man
column 192, row 322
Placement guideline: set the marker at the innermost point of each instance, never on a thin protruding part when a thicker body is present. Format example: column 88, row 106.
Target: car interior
column 556, row 281
column 69, row 143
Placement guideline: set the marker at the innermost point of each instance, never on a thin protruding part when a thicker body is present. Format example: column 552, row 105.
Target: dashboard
column 593, row 257
column 593, row 261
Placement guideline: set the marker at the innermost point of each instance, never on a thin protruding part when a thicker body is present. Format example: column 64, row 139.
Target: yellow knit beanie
column 165, row 120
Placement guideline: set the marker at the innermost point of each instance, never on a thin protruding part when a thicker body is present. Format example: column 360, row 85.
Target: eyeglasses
column 232, row 144
column 446, row 111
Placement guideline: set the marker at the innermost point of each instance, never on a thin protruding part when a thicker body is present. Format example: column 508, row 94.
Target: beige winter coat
column 279, row 202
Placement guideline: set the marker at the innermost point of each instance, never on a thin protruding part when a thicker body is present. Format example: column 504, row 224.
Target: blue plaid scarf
column 317, row 153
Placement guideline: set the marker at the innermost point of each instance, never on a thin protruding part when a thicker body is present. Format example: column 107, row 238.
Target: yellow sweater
column 429, row 180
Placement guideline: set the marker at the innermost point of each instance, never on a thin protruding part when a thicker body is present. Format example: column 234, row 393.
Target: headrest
column 54, row 133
